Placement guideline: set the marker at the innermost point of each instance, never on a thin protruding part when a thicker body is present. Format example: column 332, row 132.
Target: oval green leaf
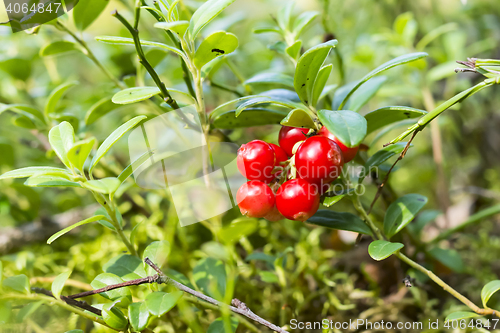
column 129, row 41
column 105, row 279
column 138, row 315
column 126, row 266
column 348, row 126
column 381, row 249
column 401, row 212
column 323, row 75
column 341, row 221
column 251, row 117
column 307, row 70
column 271, row 78
column 104, row 185
column 31, row 171
column 61, row 139
column 49, row 181
column 87, row 11
column 217, row 326
column 112, row 138
column 19, row 283
column 401, row 60
column 204, row 14
column 390, row 114
column 99, row 109
column 488, row 290
column 73, row 226
column 78, row 154
column 56, row 95
column 134, row 95
column 57, row 48
column 114, row 317
column 158, row 253
column 449, row 258
column 215, row 45
column 459, row 315
column 159, row 303
column 298, row 118
column 179, row 27
column 58, row 283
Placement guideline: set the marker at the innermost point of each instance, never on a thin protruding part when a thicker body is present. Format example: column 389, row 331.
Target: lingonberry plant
column 321, row 138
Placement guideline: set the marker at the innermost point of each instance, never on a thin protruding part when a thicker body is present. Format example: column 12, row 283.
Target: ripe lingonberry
column 289, row 136
column 255, row 199
column 297, row 199
column 319, row 160
column 280, row 157
column 349, row 153
column 256, row 161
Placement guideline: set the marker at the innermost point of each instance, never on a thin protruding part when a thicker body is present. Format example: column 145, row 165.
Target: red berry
column 297, row 199
column 280, row 157
column 255, row 199
column 349, row 153
column 256, row 161
column 289, row 136
column 319, row 160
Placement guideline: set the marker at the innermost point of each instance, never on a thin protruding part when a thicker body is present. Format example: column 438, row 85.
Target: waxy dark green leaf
column 390, row 114
column 138, row 315
column 210, row 276
column 348, row 126
column 251, row 117
column 217, row 326
column 298, row 118
column 449, row 258
column 341, row 221
column 125, row 266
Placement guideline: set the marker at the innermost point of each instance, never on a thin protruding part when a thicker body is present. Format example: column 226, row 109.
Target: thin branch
column 381, row 186
column 80, row 304
column 237, row 305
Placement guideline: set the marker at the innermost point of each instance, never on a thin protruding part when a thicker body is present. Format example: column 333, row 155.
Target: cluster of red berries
column 311, row 160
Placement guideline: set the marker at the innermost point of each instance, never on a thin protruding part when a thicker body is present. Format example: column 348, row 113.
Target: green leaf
column 271, row 78
column 341, row 221
column 330, row 201
column 323, row 75
column 488, row 290
column 266, row 29
column 294, row 50
column 302, row 21
column 75, row 331
column 459, row 315
column 384, row 154
column 308, row 68
column 217, row 326
column 179, row 277
column 31, row 171
column 18, row 68
column 134, row 95
column 24, row 110
column 104, row 185
column 73, row 226
column 365, row 93
column 449, row 258
column 210, row 276
column 401, row 60
column 112, row 138
column 58, row 283
column 284, row 16
column 203, row 15
column 19, row 283
column 114, row 317
column 127, row 172
column 263, row 100
column 390, row 114
column 49, row 181
column 129, row 41
column 56, row 95
column 28, row 310
column 298, row 118
column 87, row 11
column 158, row 253
column 125, row 266
column 348, row 126
column 57, row 48
column 217, row 44
column 99, row 109
column 251, row 117
column 159, row 303
column 105, row 279
column 401, row 212
column 138, row 315
column 78, row 154
column 62, row 138
column 178, row 27
column 381, row 249
column 237, row 229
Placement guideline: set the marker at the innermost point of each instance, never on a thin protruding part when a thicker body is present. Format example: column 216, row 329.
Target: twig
column 80, row 304
column 238, row 306
column 381, row 186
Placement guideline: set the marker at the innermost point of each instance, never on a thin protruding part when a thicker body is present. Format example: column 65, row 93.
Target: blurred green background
column 324, row 274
